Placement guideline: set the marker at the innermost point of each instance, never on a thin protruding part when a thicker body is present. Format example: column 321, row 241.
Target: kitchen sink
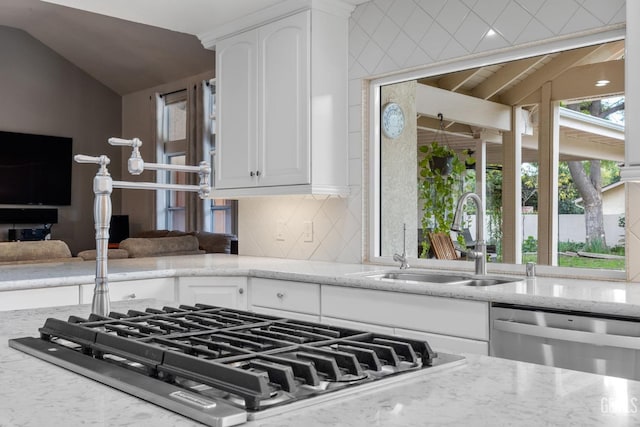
column 442, row 278
column 489, row 281
column 422, row 277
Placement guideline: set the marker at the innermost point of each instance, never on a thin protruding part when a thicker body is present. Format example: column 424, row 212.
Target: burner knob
column 280, row 295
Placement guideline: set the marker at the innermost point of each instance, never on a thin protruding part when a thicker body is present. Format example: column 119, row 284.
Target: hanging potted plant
column 440, row 158
column 439, row 184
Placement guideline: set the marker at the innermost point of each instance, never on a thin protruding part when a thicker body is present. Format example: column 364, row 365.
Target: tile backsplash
column 279, row 227
column 387, row 36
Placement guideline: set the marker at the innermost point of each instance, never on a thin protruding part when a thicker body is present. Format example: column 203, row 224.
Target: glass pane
column 529, row 174
column 221, row 216
column 177, row 198
column 177, row 219
column 219, row 221
column 176, row 121
column 594, row 144
column 591, row 204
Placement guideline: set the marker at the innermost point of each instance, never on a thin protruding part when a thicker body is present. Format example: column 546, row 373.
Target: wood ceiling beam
column 505, row 76
column 454, row 81
column 550, row 71
column 578, row 148
column 456, row 107
column 607, row 52
column 430, row 123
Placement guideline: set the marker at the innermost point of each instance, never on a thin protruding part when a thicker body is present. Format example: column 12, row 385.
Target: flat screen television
column 35, row 169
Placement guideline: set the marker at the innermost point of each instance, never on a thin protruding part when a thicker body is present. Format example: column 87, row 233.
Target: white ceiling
column 133, row 45
column 186, row 16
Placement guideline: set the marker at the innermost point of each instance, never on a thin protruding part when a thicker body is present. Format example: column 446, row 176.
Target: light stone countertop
column 605, row 297
column 484, row 391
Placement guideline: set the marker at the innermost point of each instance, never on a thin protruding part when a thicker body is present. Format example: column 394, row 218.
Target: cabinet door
column 236, row 104
column 230, row 292
column 283, row 99
column 161, row 288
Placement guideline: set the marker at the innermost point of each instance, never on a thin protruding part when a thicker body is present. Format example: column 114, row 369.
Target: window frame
column 230, row 206
column 166, row 150
column 373, row 136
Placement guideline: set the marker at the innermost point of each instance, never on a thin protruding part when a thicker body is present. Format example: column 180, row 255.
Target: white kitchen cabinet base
column 446, row 316
column 445, row 343
column 38, row 298
column 221, row 291
column 285, row 295
column 162, row 289
column 350, row 324
column 285, row 314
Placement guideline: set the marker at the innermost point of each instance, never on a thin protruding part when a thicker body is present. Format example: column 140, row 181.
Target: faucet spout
column 402, row 259
column 480, row 252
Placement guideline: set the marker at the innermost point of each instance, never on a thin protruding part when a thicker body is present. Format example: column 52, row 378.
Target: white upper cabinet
column 282, row 108
column 283, row 100
column 236, row 65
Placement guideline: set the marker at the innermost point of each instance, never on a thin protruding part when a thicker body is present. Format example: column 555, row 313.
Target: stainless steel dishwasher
column 582, row 341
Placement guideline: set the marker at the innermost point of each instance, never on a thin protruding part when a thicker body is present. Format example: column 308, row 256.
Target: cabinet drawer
column 446, row 316
column 286, row 314
column 221, row 291
column 285, row 295
column 350, row 324
column 447, row 344
column 163, row 288
column 36, row 298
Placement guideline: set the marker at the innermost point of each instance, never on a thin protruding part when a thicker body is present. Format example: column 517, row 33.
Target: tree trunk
column 590, row 190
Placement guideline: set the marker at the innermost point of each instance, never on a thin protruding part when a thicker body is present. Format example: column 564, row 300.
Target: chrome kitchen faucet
column 402, row 259
column 480, row 251
column 103, row 186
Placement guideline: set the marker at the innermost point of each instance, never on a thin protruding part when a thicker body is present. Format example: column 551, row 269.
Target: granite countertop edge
column 597, row 296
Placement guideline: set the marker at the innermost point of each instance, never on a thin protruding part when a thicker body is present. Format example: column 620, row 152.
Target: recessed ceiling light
column 491, row 32
column 601, row 83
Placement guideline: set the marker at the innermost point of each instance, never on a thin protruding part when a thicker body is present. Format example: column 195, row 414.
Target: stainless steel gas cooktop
column 223, row 367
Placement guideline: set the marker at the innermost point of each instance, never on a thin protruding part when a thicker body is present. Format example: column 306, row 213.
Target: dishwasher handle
column 593, row 338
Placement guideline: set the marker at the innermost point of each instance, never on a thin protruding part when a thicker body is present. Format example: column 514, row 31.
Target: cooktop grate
column 250, row 361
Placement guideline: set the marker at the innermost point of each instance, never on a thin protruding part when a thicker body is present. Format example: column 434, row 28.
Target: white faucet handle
column 81, row 158
column 135, row 142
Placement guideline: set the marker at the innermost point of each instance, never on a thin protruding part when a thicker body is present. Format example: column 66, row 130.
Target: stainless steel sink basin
column 423, row 277
column 442, row 278
column 487, row 281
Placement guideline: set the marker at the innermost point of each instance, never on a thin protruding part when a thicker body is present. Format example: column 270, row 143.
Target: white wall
column 398, row 176
column 388, row 37
column 43, row 93
column 572, row 228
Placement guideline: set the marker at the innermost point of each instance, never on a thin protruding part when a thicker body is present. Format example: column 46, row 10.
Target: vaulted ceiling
column 572, row 75
column 124, row 56
column 133, row 45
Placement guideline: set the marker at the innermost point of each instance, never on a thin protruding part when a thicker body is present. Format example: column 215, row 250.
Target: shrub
column 570, row 246
column 530, row 245
column 596, row 246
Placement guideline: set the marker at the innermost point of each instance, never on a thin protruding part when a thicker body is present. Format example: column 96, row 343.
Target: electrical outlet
column 308, row 231
column 280, row 227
